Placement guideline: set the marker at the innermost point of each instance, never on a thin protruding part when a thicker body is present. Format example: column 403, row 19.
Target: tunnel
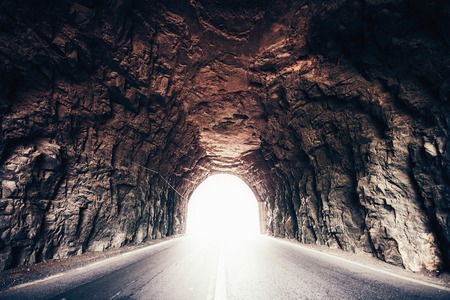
column 334, row 113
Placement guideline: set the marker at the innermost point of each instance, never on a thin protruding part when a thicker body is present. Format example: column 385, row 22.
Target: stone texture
column 335, row 113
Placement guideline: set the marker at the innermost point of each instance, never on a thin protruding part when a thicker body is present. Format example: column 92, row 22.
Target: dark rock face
column 336, row 113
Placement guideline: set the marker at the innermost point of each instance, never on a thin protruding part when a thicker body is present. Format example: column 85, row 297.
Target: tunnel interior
column 335, row 113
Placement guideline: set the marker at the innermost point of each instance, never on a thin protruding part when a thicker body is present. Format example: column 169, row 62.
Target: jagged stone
column 335, row 113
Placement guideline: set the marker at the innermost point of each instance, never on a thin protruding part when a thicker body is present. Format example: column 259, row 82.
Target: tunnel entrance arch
column 221, row 205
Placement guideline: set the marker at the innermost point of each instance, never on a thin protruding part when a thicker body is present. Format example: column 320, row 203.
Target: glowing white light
column 223, row 205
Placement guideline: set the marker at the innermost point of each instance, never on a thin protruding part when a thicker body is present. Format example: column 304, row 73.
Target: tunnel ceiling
column 336, row 113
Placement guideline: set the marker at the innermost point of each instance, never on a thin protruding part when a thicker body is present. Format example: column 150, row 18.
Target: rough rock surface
column 336, row 113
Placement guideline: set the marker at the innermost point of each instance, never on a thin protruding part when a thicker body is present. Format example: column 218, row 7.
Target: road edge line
column 437, row 286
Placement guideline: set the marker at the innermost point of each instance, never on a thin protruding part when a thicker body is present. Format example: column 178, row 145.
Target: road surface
column 199, row 268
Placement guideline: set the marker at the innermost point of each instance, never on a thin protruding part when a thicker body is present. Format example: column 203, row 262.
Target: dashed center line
column 221, row 291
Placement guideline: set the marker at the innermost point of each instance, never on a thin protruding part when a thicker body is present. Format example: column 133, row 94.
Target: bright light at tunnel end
column 223, row 206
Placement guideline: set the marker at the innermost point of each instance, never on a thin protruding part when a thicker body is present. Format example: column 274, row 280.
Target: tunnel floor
column 241, row 265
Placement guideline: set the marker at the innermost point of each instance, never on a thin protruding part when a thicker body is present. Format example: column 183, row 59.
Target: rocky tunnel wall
column 356, row 130
column 343, row 110
column 89, row 148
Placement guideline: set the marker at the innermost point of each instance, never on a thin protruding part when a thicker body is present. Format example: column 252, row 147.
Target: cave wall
column 85, row 149
column 334, row 112
column 357, row 129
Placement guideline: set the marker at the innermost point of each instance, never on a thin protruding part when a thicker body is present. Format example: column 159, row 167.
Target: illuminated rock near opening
column 336, row 114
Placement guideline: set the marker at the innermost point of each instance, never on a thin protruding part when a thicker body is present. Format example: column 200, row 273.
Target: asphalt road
column 250, row 268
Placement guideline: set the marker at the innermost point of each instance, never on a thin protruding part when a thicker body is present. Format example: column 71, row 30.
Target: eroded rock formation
column 336, row 113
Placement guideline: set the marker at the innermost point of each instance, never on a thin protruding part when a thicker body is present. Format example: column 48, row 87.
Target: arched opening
column 223, row 205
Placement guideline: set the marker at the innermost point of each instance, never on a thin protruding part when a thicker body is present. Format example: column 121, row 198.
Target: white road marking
column 221, row 291
column 105, row 261
column 440, row 287
column 117, row 294
column 34, row 282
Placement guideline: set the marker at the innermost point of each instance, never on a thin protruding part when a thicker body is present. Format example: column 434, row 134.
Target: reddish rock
column 336, row 115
